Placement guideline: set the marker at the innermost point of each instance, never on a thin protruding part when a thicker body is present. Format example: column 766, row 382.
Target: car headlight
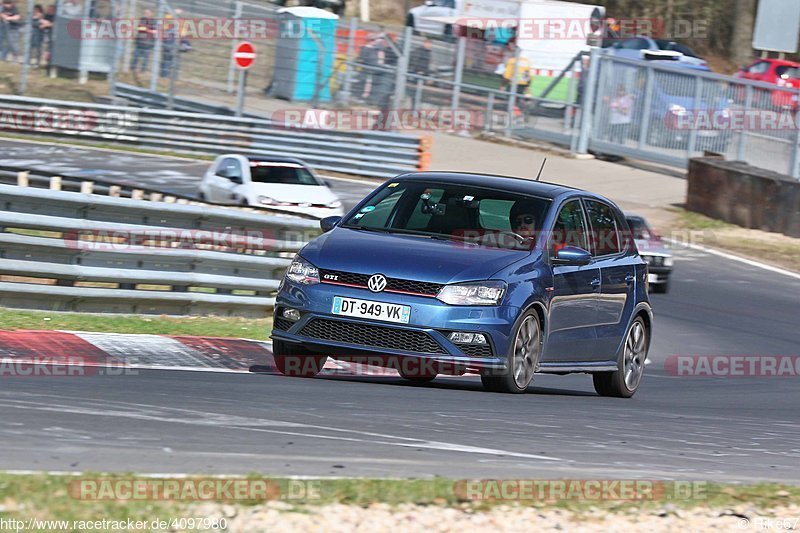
column 266, row 200
column 479, row 293
column 677, row 109
column 334, row 204
column 668, row 261
column 302, row 272
column 648, row 259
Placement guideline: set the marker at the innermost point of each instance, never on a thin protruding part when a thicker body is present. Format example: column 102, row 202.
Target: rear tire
column 625, row 381
column 522, row 361
column 295, row 362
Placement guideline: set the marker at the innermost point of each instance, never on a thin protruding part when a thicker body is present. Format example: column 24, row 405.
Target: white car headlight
column 335, row 204
column 302, row 272
column 477, row 293
column 266, row 200
column 668, row 261
column 677, row 109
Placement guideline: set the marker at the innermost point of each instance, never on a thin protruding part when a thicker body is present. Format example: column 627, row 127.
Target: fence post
column 117, row 12
column 512, row 98
column 237, row 14
column 349, row 62
column 402, row 69
column 128, row 54
column 742, row 146
column 26, row 53
column 587, row 106
column 794, row 168
column 645, row 118
column 489, row 125
column 155, row 66
column 698, row 94
column 459, row 73
column 418, row 94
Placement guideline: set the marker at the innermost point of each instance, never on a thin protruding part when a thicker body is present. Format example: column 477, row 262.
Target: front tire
column 522, row 361
column 295, row 362
column 625, row 381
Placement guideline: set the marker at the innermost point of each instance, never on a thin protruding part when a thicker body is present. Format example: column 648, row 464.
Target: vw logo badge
column 377, row 283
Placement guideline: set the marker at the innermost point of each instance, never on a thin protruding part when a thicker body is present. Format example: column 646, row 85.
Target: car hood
column 314, row 194
column 407, row 256
column 652, row 247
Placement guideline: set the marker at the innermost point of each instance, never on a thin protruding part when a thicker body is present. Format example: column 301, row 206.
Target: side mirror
column 328, row 223
column 572, row 256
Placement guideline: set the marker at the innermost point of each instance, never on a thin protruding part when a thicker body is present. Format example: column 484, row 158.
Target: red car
column 778, row 72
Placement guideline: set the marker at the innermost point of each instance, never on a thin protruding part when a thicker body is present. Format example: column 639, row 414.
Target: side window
column 758, row 68
column 604, row 234
column 420, row 219
column 378, row 216
column 495, row 214
column 569, row 229
column 230, row 168
column 635, row 44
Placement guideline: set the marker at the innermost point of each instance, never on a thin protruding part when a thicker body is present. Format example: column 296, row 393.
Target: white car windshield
column 283, row 173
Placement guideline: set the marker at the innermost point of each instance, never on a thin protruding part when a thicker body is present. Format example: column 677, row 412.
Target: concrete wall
column 751, row 197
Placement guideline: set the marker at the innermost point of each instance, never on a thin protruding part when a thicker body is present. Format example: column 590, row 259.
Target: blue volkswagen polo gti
column 457, row 273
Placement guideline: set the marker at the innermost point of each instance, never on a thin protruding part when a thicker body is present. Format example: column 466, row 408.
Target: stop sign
column 244, row 55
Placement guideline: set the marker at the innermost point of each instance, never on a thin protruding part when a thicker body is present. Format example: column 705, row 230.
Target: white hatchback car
column 281, row 183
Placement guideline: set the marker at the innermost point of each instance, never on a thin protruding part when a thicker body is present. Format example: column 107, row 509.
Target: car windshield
column 484, row 217
column 639, row 229
column 676, row 47
column 284, row 173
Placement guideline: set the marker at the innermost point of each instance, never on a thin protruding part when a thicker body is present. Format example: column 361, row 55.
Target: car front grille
column 421, row 288
column 476, row 350
column 371, row 336
column 282, row 324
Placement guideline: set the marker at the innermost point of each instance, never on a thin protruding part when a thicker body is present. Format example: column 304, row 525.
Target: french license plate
column 371, row 310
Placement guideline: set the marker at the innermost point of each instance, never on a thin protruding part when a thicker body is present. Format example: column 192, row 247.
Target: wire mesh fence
column 371, row 77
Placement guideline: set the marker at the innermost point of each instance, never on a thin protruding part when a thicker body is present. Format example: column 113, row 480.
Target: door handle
column 595, row 282
column 630, row 278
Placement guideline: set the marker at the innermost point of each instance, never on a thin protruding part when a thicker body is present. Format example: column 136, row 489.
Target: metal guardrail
column 367, row 153
column 67, row 251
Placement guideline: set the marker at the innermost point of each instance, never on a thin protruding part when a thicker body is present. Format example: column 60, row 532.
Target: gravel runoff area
column 281, row 517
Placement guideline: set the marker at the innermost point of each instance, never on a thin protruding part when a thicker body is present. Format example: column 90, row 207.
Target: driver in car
column 523, row 221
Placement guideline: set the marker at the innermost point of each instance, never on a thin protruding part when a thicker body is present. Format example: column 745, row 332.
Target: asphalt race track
column 723, row 428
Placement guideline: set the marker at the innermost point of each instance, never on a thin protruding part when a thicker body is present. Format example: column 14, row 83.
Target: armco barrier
column 365, row 153
column 69, row 251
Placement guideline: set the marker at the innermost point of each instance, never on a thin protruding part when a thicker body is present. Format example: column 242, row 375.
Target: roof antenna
column 539, row 175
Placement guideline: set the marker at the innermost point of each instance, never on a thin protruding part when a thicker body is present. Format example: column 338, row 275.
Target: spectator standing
column 46, row 24
column 522, row 72
column 37, row 34
column 419, row 62
column 621, row 115
column 143, row 45
column 11, row 21
column 169, row 46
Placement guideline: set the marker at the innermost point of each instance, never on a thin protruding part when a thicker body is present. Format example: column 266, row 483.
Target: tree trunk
column 744, row 22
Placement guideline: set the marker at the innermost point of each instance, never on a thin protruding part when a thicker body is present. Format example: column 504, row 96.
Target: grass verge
column 766, row 247
column 207, row 326
column 90, row 496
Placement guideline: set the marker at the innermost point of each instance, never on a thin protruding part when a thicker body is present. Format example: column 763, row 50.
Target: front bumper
column 658, row 275
column 424, row 337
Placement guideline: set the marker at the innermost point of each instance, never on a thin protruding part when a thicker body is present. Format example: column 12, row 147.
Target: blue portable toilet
column 304, row 58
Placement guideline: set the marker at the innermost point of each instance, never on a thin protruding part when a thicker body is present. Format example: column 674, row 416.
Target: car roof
column 270, row 159
column 506, row 183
